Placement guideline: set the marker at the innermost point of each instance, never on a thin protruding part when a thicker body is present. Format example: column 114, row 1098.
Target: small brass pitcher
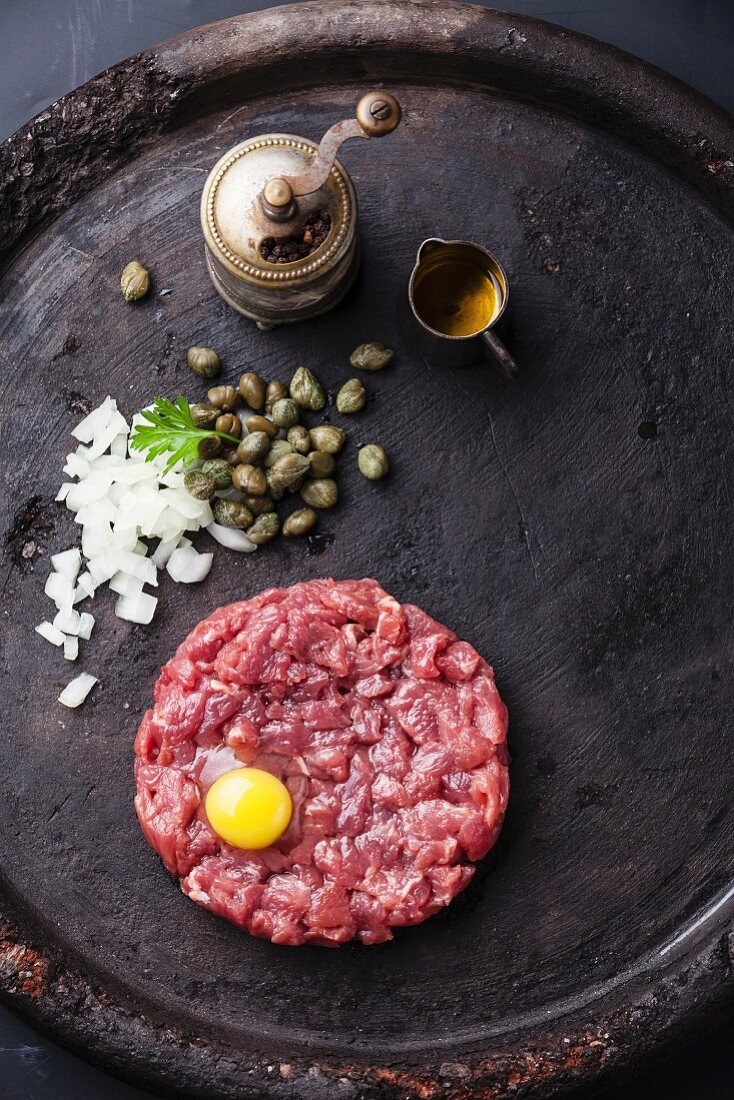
column 457, row 300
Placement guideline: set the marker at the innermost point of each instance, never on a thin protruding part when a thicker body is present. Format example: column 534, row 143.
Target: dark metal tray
column 575, row 524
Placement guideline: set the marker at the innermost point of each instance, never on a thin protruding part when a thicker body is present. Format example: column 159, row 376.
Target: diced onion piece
column 86, row 622
column 118, row 446
column 231, row 537
column 183, row 503
column 51, row 633
column 103, row 438
column 97, row 513
column 96, row 539
column 68, row 622
column 59, row 589
column 102, row 567
column 64, row 490
column 67, row 563
column 85, row 582
column 77, row 690
column 163, row 551
column 137, row 566
column 136, row 609
column 125, row 538
column 124, row 584
column 71, row 649
column 95, row 422
column 186, row 566
column 76, row 465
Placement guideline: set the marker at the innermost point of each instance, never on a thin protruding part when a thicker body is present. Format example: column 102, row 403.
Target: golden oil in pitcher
column 456, row 297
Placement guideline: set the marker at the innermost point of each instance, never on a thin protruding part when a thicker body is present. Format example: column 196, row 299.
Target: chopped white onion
column 136, row 565
column 164, row 550
column 51, row 633
column 118, row 446
column 95, row 422
column 67, row 621
column 67, row 563
column 86, row 584
column 231, row 537
column 187, row 566
column 77, row 689
column 86, row 622
column 119, row 498
column 136, row 609
column 102, row 567
column 124, row 584
column 76, row 465
column 59, row 589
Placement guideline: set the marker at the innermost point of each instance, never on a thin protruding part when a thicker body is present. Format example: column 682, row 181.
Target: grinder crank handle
column 377, row 113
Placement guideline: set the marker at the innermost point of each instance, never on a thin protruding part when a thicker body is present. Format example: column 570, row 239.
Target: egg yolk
column 248, row 808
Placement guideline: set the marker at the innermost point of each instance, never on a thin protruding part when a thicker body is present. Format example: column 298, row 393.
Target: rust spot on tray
column 422, row 1087
column 23, row 969
column 492, row 1078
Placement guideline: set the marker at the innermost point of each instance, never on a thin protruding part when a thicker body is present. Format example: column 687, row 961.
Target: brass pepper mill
column 279, row 216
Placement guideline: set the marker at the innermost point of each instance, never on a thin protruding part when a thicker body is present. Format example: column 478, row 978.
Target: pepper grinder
column 279, row 216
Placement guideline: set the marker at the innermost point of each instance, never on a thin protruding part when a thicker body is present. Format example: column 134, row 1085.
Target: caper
column 134, row 281
column 278, row 448
column 218, row 469
column 203, row 415
column 252, row 390
column 264, row 528
column 373, row 462
column 275, row 490
column 199, row 485
column 327, row 437
column 285, row 412
column 289, row 471
column 351, row 397
column 298, row 523
column 274, row 392
column 299, row 439
column 204, row 361
column 321, row 493
column 209, row 447
column 229, row 424
column 259, row 505
column 231, row 513
column 249, row 479
column 371, row 356
column 321, row 463
column 253, row 447
column 261, row 424
column 307, row 391
column 224, row 397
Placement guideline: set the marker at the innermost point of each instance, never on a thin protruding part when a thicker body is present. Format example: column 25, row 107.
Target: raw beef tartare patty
column 388, row 732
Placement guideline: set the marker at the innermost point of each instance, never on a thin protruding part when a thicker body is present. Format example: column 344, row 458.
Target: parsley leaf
column 170, row 428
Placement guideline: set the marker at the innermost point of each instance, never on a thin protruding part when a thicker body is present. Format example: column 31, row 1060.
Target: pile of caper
column 277, row 456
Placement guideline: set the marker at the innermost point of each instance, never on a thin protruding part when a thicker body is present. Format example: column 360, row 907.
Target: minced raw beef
column 387, row 730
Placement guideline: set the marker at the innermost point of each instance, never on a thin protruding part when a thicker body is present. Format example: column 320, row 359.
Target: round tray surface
column 574, row 524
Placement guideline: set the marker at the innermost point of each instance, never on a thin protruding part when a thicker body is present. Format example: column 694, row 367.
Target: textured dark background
column 54, row 45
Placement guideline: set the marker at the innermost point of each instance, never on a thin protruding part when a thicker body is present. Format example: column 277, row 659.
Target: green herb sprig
column 170, row 427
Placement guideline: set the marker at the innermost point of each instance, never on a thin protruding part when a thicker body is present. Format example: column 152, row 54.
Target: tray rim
column 675, row 126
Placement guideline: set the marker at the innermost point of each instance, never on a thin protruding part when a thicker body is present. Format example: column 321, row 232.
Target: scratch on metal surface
column 232, row 115
column 513, row 490
column 57, row 809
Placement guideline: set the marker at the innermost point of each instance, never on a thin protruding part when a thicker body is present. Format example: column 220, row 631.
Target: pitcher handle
column 498, row 355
